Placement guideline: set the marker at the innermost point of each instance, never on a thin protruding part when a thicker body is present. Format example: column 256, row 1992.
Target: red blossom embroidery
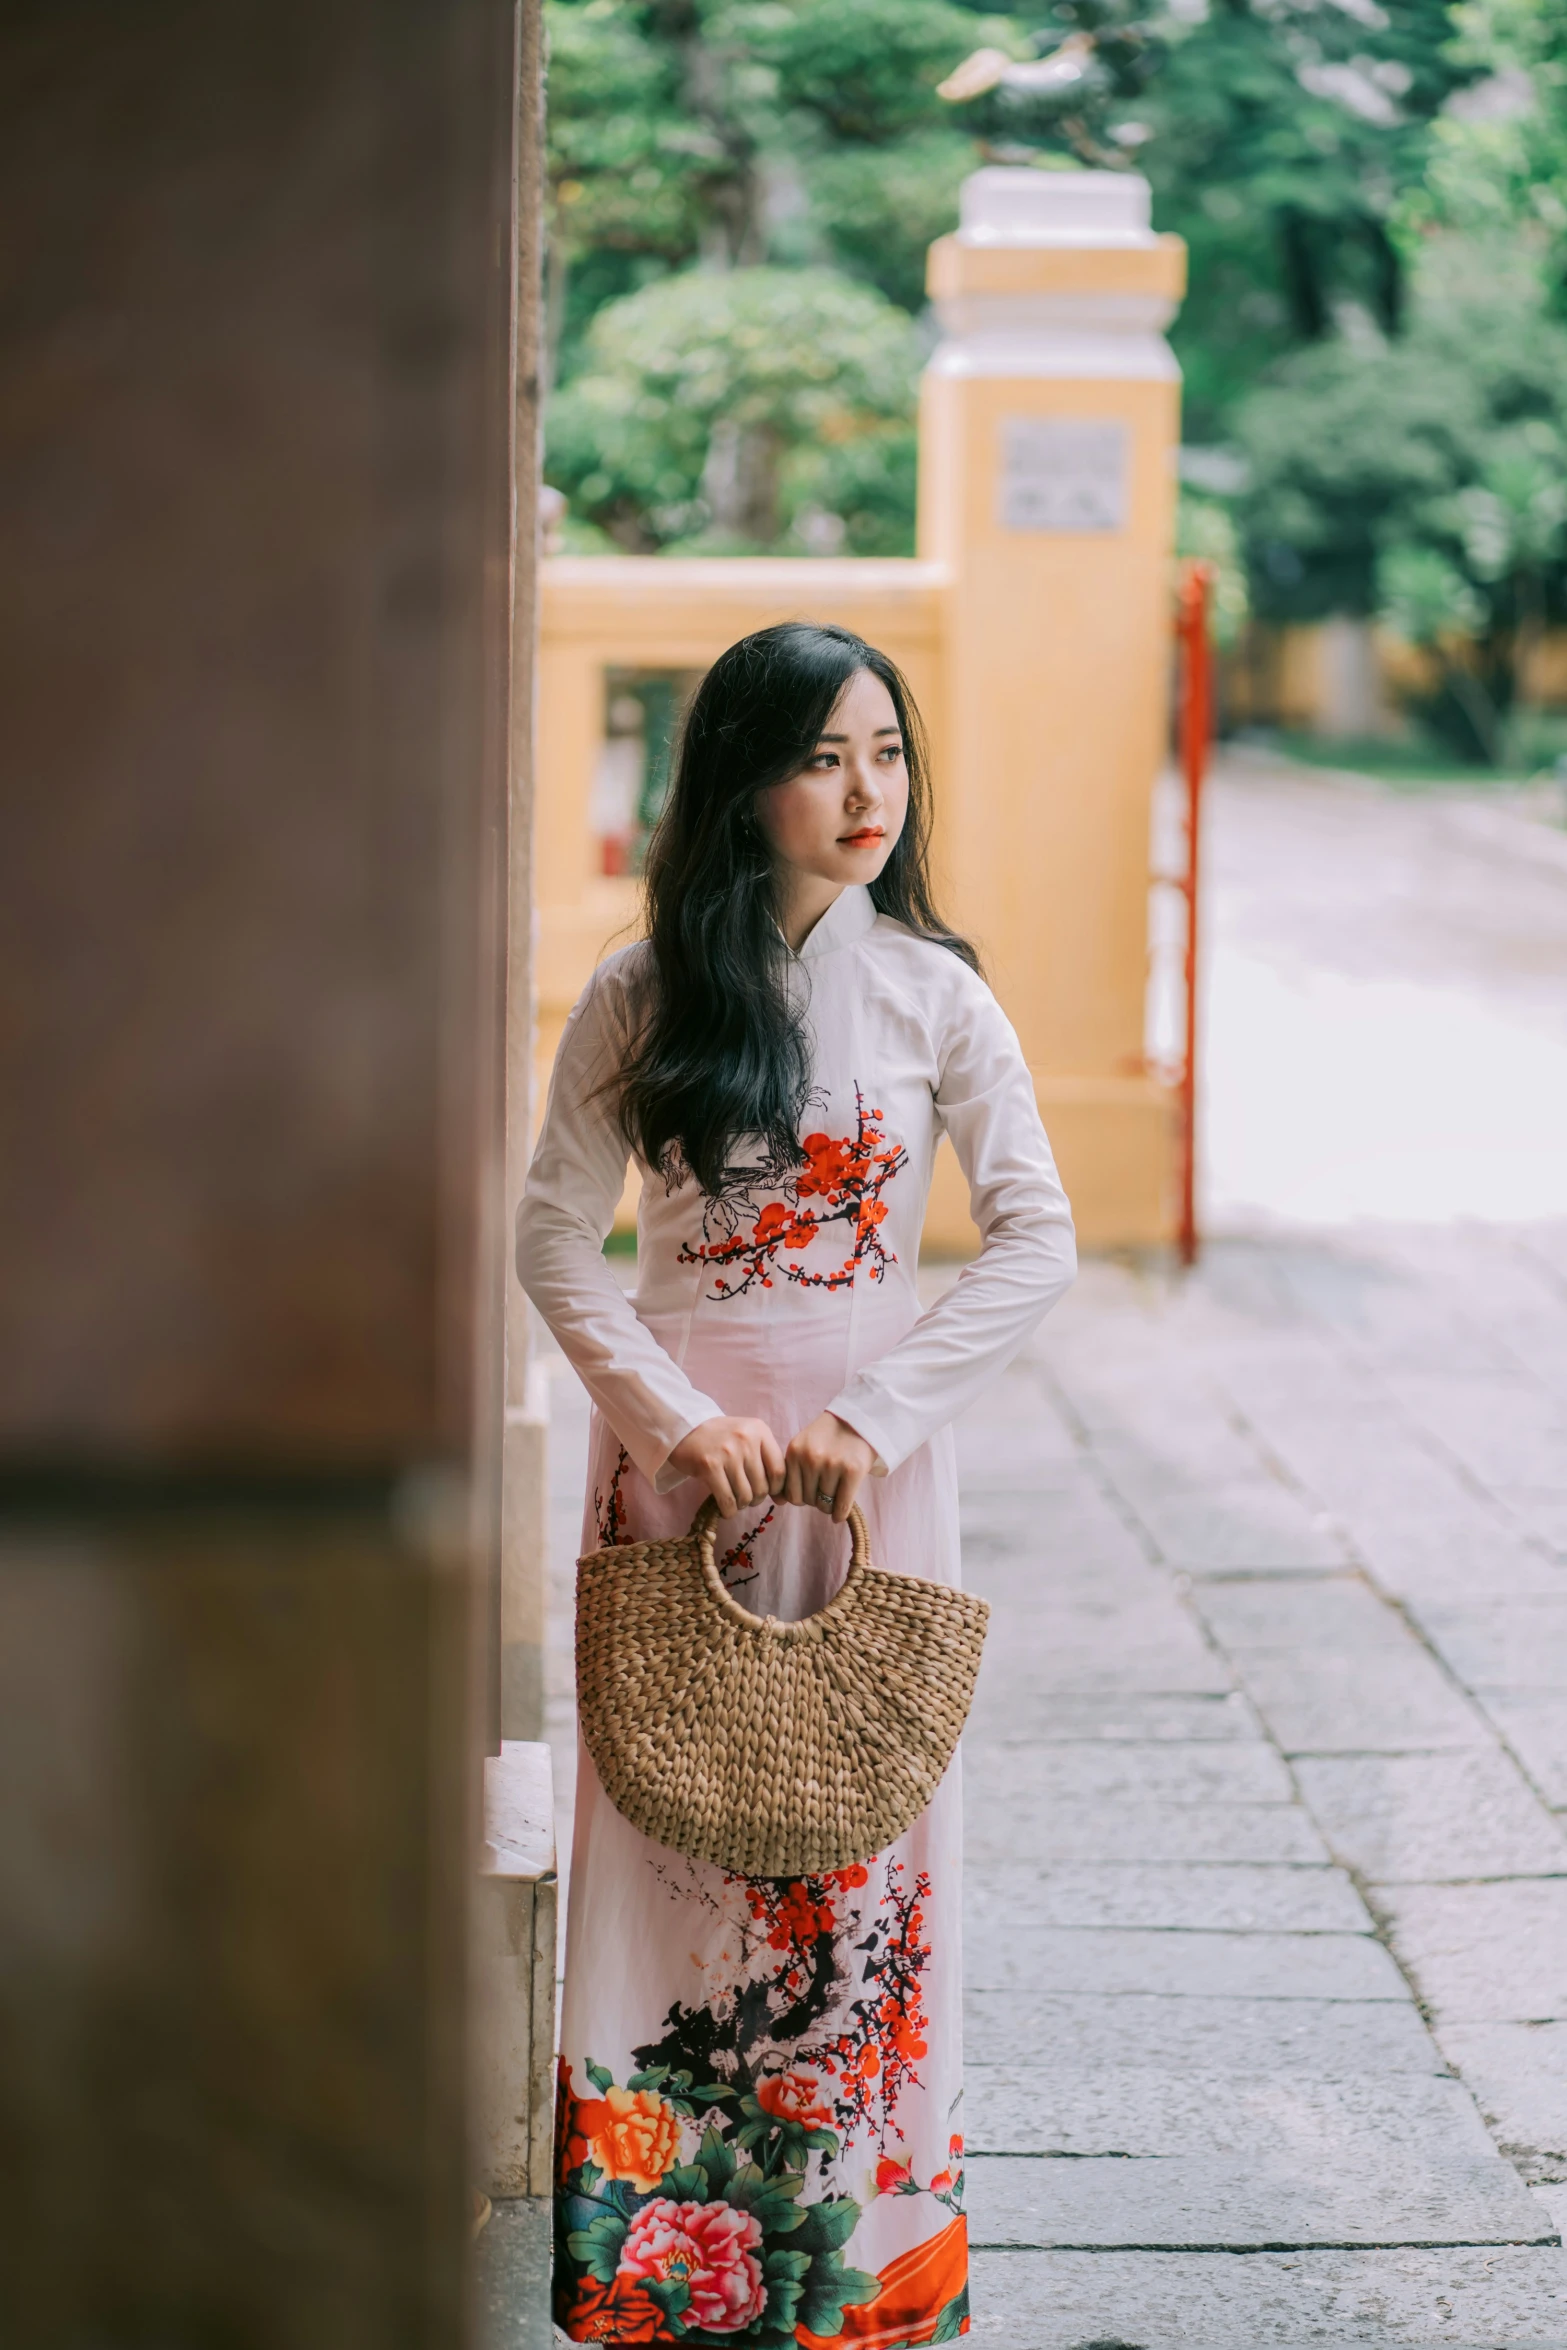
column 871, row 2054
column 739, row 1553
column 895, row 2178
column 846, row 1175
column 609, row 1511
column 876, row 2058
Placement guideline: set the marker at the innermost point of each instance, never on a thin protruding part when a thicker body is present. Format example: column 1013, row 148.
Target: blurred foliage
column 1424, row 481
column 881, row 208
column 1284, row 139
column 738, row 132
column 1280, row 137
column 1497, row 167
column 1206, row 530
column 696, row 393
column 866, row 483
column 1375, row 197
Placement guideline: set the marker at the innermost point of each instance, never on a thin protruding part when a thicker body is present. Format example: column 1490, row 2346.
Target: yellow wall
column 1039, row 657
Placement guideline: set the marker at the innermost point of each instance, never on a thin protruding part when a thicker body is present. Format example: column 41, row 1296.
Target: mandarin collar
column 850, row 917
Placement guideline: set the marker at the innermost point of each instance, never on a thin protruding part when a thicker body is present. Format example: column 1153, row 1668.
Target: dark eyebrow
column 843, row 738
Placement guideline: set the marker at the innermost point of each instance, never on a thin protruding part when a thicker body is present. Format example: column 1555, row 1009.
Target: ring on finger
column 824, row 1500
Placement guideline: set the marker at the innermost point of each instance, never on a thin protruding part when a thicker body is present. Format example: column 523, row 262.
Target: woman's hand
column 825, row 1466
column 737, row 1460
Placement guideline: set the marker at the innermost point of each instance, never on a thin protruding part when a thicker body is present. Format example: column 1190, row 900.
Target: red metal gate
column 1194, row 733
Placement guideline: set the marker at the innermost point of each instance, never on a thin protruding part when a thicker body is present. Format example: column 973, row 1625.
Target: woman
column 760, row 2121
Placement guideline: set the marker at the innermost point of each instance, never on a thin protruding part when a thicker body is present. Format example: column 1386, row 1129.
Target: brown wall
column 255, row 447
column 246, row 439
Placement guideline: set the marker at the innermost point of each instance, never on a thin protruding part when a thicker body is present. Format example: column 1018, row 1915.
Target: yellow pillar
column 1048, row 433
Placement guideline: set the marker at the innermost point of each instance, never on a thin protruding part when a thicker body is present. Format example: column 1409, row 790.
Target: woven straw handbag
column 772, row 1750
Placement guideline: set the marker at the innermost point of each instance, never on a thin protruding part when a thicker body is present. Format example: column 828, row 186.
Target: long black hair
column 721, row 1054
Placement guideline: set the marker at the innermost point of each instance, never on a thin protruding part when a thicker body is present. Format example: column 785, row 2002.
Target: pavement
column 1266, row 1945
column 1267, row 1897
column 1384, row 1003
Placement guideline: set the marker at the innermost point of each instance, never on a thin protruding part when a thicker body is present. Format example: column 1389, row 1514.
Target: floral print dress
column 759, row 2128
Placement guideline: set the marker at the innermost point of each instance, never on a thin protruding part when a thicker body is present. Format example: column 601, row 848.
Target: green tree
column 741, row 132
column 1281, row 138
column 1497, row 168
column 1423, row 481
column 1296, row 144
column 714, row 406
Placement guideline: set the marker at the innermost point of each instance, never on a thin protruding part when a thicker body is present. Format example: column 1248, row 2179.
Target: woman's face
column 839, row 818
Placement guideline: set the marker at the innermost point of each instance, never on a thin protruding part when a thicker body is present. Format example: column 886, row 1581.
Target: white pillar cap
column 1007, row 206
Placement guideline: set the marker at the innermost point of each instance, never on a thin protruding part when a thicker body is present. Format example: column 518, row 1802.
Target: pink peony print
column 708, row 2247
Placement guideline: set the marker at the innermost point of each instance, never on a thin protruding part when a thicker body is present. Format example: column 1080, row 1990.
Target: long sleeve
column 1028, row 1257
column 567, row 1207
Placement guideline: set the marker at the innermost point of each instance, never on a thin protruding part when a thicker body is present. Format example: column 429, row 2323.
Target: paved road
column 1385, row 1003
column 1268, row 1903
column 1267, row 1880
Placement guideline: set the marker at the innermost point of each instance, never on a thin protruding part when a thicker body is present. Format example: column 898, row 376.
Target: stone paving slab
column 1201, row 2204
column 1393, row 1317
column 1425, row 1554
column 1507, row 1429
column 1112, row 1960
column 1507, row 1643
column 1059, row 1481
column 1363, row 1454
column 1429, row 1818
column 1132, row 1403
column 1326, row 1611
column 1518, row 2073
column 1265, row 1833
column 1056, row 2106
column 1066, row 1512
column 1295, row 1368
column 510, row 2278
column 1239, row 1524
column 1021, row 1577
column 1014, row 1425
column 1023, row 1892
column 1081, row 1613
column 1044, row 1776
column 1052, row 1654
column 1073, row 1521
column 1497, row 1281
column 1387, row 1701
column 1534, row 1724
column 1490, row 1953
column 1446, row 1543
column 1154, row 1463
column 1460, row 2299
column 1101, row 1614
column 1552, row 2197
column 1325, row 2038
column 1119, row 1717
column 1540, row 1508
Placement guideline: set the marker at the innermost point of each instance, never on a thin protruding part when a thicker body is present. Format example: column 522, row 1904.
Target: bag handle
column 704, row 1526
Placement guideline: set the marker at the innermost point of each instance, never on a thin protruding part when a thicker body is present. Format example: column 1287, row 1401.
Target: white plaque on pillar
column 1063, row 473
